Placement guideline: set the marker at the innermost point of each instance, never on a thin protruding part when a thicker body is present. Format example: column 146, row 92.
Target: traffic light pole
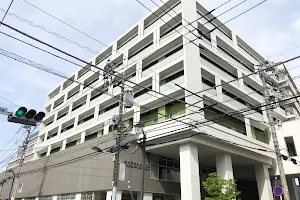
column 23, row 152
column 118, row 142
column 268, row 100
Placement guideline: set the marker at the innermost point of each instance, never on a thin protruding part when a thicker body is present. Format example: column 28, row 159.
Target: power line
column 49, row 31
column 11, row 139
column 7, row 11
column 8, row 101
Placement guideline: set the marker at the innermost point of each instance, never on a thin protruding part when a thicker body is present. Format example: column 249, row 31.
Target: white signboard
column 3, row 111
column 20, row 187
column 122, row 169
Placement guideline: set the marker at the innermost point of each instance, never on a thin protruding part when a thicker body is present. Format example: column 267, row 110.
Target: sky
column 272, row 29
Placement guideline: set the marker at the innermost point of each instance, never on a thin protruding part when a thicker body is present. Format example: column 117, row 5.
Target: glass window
column 164, row 169
column 66, row 197
column 87, row 196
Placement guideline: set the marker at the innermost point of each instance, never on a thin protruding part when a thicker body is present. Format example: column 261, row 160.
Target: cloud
column 296, row 25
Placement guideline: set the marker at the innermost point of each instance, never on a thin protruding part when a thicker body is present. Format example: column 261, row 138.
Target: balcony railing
column 211, row 92
column 165, row 17
column 108, row 114
column 125, row 46
column 49, row 141
column 136, row 57
column 98, row 99
column 171, row 84
column 67, row 133
column 143, row 97
column 170, row 35
column 85, row 124
column 61, row 119
column 162, row 63
column 78, row 110
column 253, row 93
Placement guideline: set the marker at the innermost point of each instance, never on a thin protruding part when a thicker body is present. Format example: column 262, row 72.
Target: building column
column 292, row 188
column 214, row 45
column 141, row 29
column 248, row 127
column 88, row 99
column 147, row 196
column 155, row 82
column 156, row 38
column 224, row 166
column 139, row 70
column 109, row 195
column 189, row 173
column 192, row 64
column 234, row 40
column 59, row 131
column 78, row 196
column 64, row 144
column 49, row 150
column 241, row 81
column 263, row 182
column 82, row 137
column 136, row 115
column 106, row 128
column 219, row 88
column 114, row 51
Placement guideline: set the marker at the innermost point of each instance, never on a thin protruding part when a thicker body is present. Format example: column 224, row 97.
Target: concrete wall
column 80, row 169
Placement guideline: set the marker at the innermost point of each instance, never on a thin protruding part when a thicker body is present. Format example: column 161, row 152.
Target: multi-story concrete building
column 157, row 52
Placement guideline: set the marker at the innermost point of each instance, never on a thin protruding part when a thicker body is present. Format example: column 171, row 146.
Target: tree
column 220, row 189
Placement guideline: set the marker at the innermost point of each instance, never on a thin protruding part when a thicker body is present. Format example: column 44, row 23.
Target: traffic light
column 22, row 116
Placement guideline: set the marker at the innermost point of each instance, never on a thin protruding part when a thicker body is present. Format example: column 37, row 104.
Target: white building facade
column 160, row 51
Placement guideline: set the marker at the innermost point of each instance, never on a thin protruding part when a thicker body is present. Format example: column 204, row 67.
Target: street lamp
column 139, row 130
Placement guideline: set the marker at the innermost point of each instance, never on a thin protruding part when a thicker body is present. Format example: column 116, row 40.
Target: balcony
column 108, row 114
column 165, row 18
column 51, row 140
column 143, row 97
column 67, row 133
column 47, row 128
column 117, row 90
column 174, row 33
column 162, row 63
column 78, row 110
column 279, row 113
column 85, row 124
column 171, row 85
column 99, row 99
column 138, row 56
column 60, row 120
column 212, row 92
column 128, row 44
column 253, row 93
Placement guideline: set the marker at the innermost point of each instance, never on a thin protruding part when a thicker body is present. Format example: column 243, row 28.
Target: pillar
column 248, row 127
column 49, row 150
column 155, row 82
column 54, row 197
column 263, row 182
column 192, row 64
column 136, row 115
column 241, row 81
column 189, row 173
column 109, row 195
column 114, row 51
column 147, row 196
column 78, row 196
column 88, row 99
column 141, row 29
column 214, row 45
column 139, row 70
column 82, row 137
column 234, row 40
column 106, row 128
column 156, row 37
column 64, row 144
column 224, row 166
column 219, row 88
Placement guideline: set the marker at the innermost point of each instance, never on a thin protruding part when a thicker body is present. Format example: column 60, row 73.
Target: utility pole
column 269, row 98
column 118, row 142
column 22, row 157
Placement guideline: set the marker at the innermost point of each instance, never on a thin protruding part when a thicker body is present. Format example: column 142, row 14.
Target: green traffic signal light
column 21, row 112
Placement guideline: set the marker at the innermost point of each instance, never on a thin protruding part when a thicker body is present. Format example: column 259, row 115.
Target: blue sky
column 271, row 28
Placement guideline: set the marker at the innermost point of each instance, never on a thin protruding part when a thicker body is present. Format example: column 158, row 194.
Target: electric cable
column 11, row 2
column 8, row 101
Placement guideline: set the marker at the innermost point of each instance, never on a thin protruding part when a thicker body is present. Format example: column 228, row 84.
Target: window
column 109, row 108
column 43, row 154
column 73, row 94
column 170, row 30
column 164, row 169
column 57, row 149
column 66, row 197
column 70, row 144
column 62, row 115
column 91, row 136
column 95, row 95
column 47, row 124
column 290, row 146
column 208, row 82
column 45, row 198
column 51, row 135
column 78, row 106
column 87, row 196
